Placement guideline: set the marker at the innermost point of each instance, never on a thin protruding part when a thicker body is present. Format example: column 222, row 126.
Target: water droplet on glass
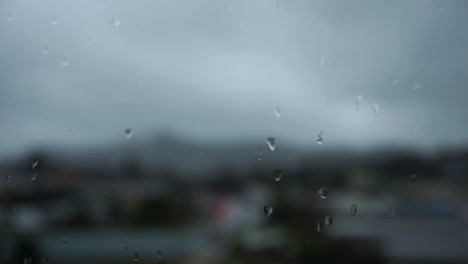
column 271, row 142
column 53, row 20
column 27, row 261
column 33, row 176
column 64, row 240
column 416, row 86
column 136, row 257
column 45, row 260
column 375, row 109
column 323, row 193
column 268, row 210
column 88, row 41
column 65, row 62
column 115, row 21
column 322, row 61
column 440, row 8
column 395, row 82
column 141, row 81
column 159, row 253
column 45, row 50
column 328, row 220
column 10, row 17
column 319, row 226
column 128, row 133
column 353, row 209
column 277, row 174
column 8, row 178
column 278, row 3
column 320, row 138
column 413, row 178
column 260, row 153
column 277, row 111
column 358, row 102
column 34, row 164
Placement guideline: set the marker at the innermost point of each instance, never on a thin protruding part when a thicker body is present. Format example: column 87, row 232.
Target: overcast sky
column 214, row 70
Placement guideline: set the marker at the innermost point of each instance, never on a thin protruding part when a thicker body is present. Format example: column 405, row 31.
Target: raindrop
column 322, row 61
column 413, row 178
column 109, row 197
column 159, row 253
column 271, row 142
column 34, row 164
column 53, row 20
column 260, row 153
column 277, row 174
column 319, row 226
column 45, row 50
column 353, row 209
column 395, row 82
column 277, row 111
column 268, row 210
column 323, row 193
column 128, row 133
column 440, row 8
column 328, row 220
column 416, row 86
column 126, row 243
column 320, row 138
column 27, row 261
column 115, row 21
column 8, row 178
column 88, row 41
column 358, row 102
column 141, row 81
column 136, row 257
column 278, row 3
column 64, row 240
column 375, row 109
column 45, row 260
column 33, row 176
column 65, row 62
column 10, row 17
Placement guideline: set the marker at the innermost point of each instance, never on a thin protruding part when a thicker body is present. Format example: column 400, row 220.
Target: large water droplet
column 45, row 50
column 323, row 193
column 65, row 62
column 319, row 226
column 45, row 260
column 277, row 111
column 10, row 17
column 34, row 164
column 115, row 21
column 128, row 133
column 64, row 240
column 141, row 81
column 159, row 254
column 277, row 174
column 358, row 102
column 440, row 8
column 328, row 220
column 353, row 209
column 88, row 41
column 53, row 20
column 322, row 61
column 416, row 86
column 271, row 142
column 375, row 109
column 413, row 178
column 8, row 178
column 27, row 261
column 136, row 257
column 320, row 138
column 268, row 210
column 33, row 176
column 395, row 82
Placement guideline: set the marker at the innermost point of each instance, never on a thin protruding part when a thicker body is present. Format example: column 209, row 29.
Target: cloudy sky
column 79, row 72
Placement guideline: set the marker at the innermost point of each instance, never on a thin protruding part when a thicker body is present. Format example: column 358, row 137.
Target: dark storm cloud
column 214, row 70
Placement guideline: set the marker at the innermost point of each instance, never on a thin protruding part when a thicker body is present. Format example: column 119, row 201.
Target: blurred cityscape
column 173, row 201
